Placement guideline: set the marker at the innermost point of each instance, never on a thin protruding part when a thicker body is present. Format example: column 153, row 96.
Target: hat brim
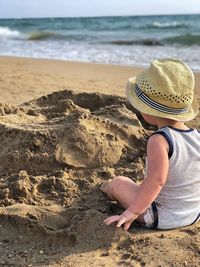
column 137, row 103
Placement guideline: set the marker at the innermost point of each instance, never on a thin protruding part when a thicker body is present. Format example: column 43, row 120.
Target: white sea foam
column 7, row 33
column 172, row 24
column 132, row 55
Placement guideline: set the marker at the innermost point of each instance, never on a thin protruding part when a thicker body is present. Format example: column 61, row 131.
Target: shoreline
column 75, row 61
column 23, row 79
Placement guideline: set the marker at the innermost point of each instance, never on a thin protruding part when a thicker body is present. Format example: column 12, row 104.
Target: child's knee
column 112, row 186
column 116, row 182
column 120, row 179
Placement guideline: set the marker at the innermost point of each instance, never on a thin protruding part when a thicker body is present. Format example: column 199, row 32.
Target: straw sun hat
column 165, row 89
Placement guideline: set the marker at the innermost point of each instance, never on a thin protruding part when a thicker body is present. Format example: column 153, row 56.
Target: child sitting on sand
column 169, row 196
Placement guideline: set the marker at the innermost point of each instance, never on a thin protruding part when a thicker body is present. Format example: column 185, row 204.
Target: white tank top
column 178, row 203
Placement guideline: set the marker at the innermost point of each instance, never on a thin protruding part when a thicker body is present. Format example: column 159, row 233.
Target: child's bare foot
column 105, row 188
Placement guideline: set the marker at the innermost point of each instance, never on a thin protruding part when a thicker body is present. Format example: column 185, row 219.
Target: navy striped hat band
column 155, row 105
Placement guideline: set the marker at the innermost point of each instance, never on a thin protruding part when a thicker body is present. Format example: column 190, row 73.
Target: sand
column 65, row 129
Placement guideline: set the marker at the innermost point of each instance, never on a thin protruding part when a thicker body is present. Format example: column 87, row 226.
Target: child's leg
column 123, row 190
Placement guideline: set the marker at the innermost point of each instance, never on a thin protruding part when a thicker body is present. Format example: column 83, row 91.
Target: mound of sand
column 55, row 153
column 46, row 142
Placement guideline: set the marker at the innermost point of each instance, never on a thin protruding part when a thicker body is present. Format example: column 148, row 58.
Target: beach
column 67, row 127
column 23, row 79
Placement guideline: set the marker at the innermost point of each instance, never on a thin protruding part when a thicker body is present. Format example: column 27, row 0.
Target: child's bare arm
column 157, row 170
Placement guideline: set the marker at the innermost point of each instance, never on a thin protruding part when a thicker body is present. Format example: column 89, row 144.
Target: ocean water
column 128, row 40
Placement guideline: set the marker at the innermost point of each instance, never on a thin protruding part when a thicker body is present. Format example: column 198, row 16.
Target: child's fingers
column 111, row 219
column 122, row 220
column 127, row 225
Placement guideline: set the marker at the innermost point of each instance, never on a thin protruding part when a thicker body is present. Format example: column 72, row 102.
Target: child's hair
column 165, row 89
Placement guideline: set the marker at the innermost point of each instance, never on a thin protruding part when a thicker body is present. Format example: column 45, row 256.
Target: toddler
column 169, row 196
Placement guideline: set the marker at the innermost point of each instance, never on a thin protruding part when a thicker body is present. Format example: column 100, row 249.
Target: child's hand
column 126, row 218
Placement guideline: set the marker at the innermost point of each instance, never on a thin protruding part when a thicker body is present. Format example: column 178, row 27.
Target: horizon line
column 102, row 16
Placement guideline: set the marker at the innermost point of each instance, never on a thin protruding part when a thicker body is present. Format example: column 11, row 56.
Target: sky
column 84, row 8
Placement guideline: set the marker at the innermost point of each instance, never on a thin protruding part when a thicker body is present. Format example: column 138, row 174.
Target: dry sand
column 57, row 147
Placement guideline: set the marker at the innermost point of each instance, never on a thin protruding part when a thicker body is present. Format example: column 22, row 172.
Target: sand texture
column 57, row 148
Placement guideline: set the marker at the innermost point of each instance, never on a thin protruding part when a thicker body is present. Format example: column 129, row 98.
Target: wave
column 45, row 35
column 148, row 42
column 37, row 35
column 183, row 40
column 173, row 24
column 186, row 40
column 7, row 33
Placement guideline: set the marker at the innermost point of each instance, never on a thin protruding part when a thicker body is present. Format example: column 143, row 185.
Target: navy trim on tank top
column 181, row 130
column 197, row 218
